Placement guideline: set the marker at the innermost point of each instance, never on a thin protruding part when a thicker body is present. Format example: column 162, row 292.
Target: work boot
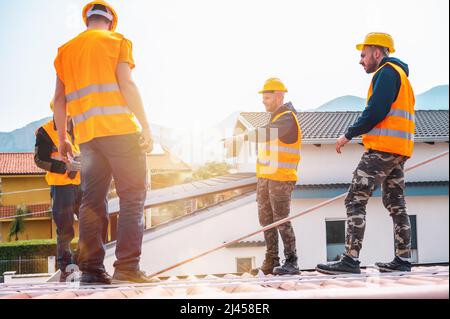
column 136, row 276
column 64, row 276
column 290, row 267
column 67, row 270
column 396, row 265
column 95, row 278
column 346, row 265
column 269, row 264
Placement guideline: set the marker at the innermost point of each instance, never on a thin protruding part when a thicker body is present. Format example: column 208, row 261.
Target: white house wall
column 165, row 250
column 322, row 165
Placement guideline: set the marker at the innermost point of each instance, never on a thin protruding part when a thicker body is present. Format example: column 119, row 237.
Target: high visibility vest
column 395, row 134
column 278, row 161
column 87, row 67
column 56, row 179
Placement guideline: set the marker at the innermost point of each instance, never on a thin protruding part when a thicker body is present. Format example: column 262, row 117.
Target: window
column 244, row 264
column 335, row 239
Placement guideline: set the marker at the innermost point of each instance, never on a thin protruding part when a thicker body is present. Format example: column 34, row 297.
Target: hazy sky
column 200, row 60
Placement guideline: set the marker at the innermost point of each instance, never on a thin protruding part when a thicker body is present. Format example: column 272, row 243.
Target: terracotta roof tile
column 19, row 164
column 166, row 162
column 422, row 282
column 23, row 164
column 60, row 295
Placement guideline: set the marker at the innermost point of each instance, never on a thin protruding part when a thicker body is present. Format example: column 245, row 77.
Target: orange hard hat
column 111, row 14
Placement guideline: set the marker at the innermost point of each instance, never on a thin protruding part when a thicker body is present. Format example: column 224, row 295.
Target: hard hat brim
column 272, row 91
column 361, row 46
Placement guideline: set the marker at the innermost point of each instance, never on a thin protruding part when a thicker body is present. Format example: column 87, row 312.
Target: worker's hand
column 65, row 149
column 146, row 141
column 73, row 165
column 341, row 141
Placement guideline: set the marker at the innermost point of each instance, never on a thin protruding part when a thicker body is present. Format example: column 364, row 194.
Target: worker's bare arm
column 132, row 96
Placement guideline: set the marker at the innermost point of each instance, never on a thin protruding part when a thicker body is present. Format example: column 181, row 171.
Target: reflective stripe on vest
column 395, row 133
column 401, row 113
column 94, row 88
column 390, row 132
column 277, row 160
column 284, row 149
column 278, row 164
column 100, row 110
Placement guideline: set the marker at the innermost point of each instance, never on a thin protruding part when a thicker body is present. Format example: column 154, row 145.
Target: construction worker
column 94, row 82
column 276, row 169
column 64, row 181
column 387, row 127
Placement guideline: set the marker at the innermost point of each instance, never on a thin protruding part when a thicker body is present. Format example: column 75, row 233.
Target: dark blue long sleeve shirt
column 386, row 85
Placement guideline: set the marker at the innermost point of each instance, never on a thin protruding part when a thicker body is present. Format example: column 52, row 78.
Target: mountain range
column 433, row 99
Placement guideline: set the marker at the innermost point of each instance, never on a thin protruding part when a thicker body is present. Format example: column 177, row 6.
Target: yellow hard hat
column 378, row 38
column 111, row 12
column 273, row 84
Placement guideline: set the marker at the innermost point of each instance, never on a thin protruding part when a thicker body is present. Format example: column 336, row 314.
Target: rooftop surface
column 422, row 282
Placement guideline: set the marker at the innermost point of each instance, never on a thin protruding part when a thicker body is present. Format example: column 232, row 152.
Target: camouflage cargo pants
column 375, row 169
column 274, row 203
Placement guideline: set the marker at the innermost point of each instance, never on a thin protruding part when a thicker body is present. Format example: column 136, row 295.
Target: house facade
column 323, row 174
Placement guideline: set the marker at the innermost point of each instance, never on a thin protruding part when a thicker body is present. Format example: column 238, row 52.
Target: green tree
column 18, row 225
column 211, row 169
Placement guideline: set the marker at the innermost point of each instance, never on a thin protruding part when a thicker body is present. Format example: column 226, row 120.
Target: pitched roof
column 8, row 211
column 318, row 127
column 23, row 163
column 19, row 164
column 162, row 160
column 421, row 282
column 194, row 189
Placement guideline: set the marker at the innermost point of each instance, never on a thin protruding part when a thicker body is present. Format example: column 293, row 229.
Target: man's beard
column 372, row 67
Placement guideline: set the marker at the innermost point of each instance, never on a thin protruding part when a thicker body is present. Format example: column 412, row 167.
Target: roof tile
column 430, row 124
column 427, row 282
column 19, row 164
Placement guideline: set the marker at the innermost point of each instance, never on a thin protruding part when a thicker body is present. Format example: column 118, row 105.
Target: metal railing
column 24, row 265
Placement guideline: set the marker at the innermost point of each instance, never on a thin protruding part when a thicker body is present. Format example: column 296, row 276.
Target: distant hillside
column 343, row 103
column 433, row 99
column 23, row 139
